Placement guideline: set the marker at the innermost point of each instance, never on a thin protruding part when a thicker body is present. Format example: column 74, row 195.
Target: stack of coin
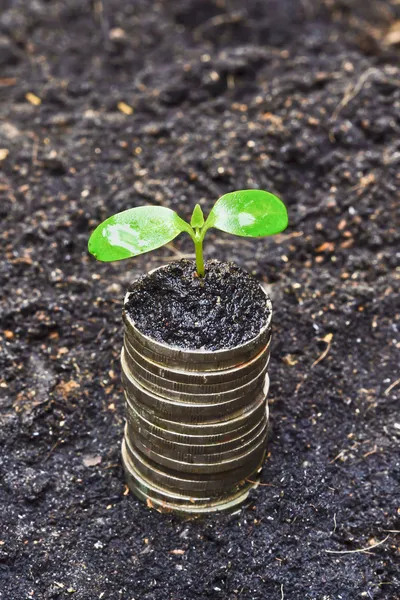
column 197, row 421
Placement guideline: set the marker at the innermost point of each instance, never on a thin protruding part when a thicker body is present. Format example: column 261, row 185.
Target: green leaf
column 252, row 213
column 135, row 231
column 197, row 219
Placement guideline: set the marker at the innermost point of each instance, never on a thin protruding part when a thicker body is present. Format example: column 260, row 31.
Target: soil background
column 114, row 104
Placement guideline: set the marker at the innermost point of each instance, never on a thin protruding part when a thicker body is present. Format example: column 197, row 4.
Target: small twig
column 229, row 19
column 230, row 81
column 54, row 446
column 222, row 242
column 299, row 385
column 281, row 237
column 76, row 367
column 262, row 484
column 177, row 252
column 392, row 530
column 374, row 449
column 351, row 94
column 10, row 194
column 98, row 336
column 7, row 81
column 328, row 340
column 308, row 8
column 35, row 149
column 282, row 594
column 391, row 386
column 98, row 9
column 335, row 524
column 359, row 550
column 340, row 455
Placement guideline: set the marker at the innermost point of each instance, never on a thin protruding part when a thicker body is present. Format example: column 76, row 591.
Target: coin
column 194, row 386
column 147, row 424
column 172, row 402
column 189, row 412
column 182, row 450
column 143, row 492
column 246, row 416
column 197, row 377
column 210, row 464
column 193, row 483
column 195, row 456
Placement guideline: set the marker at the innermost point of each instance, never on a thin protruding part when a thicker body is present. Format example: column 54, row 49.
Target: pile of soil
column 174, row 305
column 176, row 103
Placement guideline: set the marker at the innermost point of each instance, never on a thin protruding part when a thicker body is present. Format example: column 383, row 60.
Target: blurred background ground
column 113, row 104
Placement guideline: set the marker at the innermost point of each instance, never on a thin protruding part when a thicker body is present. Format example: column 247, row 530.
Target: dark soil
column 301, row 98
column 223, row 309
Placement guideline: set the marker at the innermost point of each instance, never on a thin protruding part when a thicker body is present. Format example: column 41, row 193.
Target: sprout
column 248, row 213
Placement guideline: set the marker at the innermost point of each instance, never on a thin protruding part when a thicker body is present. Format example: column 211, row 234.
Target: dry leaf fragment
column 62, row 351
column 125, row 108
column 275, row 120
column 7, row 81
column 347, row 243
column 91, row 461
column 3, row 153
column 290, row 360
column 117, row 33
column 66, row 387
column 367, row 180
column 326, row 247
column 35, row 100
column 393, row 35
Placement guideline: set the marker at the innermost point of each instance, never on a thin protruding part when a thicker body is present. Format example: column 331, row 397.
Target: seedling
column 247, row 213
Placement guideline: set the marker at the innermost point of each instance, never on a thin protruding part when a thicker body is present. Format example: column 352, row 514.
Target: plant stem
column 198, row 246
